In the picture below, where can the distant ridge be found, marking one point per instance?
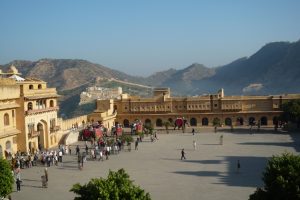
(273, 69)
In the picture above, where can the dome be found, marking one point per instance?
(13, 70)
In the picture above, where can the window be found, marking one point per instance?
(216, 105)
(39, 86)
(30, 128)
(51, 103)
(6, 119)
(30, 87)
(29, 106)
(52, 124)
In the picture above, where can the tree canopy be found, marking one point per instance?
(6, 178)
(117, 186)
(281, 179)
(291, 111)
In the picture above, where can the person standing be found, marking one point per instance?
(221, 140)
(136, 144)
(193, 131)
(77, 150)
(238, 166)
(18, 182)
(194, 144)
(183, 154)
(46, 173)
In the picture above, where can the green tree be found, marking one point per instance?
(117, 186)
(291, 112)
(281, 178)
(167, 124)
(6, 178)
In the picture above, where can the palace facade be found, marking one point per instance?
(29, 112)
(199, 110)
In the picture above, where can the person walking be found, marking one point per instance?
(194, 144)
(183, 154)
(238, 166)
(193, 131)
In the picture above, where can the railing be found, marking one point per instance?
(37, 92)
(34, 134)
(35, 111)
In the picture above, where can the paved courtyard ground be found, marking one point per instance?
(209, 172)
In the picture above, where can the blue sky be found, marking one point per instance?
(140, 37)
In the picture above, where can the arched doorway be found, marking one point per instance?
(148, 122)
(251, 121)
(159, 123)
(264, 121)
(126, 123)
(204, 121)
(240, 121)
(40, 129)
(228, 121)
(8, 146)
(193, 121)
(275, 120)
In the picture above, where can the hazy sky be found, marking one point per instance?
(144, 36)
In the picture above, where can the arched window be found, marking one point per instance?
(240, 121)
(204, 121)
(251, 121)
(264, 121)
(29, 106)
(126, 123)
(8, 146)
(39, 86)
(51, 103)
(228, 121)
(193, 122)
(6, 119)
(159, 123)
(30, 87)
(147, 122)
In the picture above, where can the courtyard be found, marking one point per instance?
(209, 172)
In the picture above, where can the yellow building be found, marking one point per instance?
(104, 113)
(200, 110)
(9, 96)
(36, 117)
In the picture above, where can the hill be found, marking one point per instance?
(274, 69)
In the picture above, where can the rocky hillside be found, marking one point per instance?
(274, 69)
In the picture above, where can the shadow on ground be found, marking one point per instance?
(249, 174)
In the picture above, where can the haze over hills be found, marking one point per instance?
(274, 69)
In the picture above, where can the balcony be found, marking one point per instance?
(54, 129)
(43, 110)
(40, 92)
(34, 134)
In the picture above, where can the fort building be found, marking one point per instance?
(32, 113)
(200, 110)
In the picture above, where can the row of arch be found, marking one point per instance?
(40, 104)
(31, 87)
(205, 121)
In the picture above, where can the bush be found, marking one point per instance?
(116, 186)
(281, 178)
(6, 178)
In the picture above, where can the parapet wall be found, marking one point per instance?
(70, 123)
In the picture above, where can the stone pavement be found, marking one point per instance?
(209, 172)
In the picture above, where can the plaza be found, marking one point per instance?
(209, 172)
